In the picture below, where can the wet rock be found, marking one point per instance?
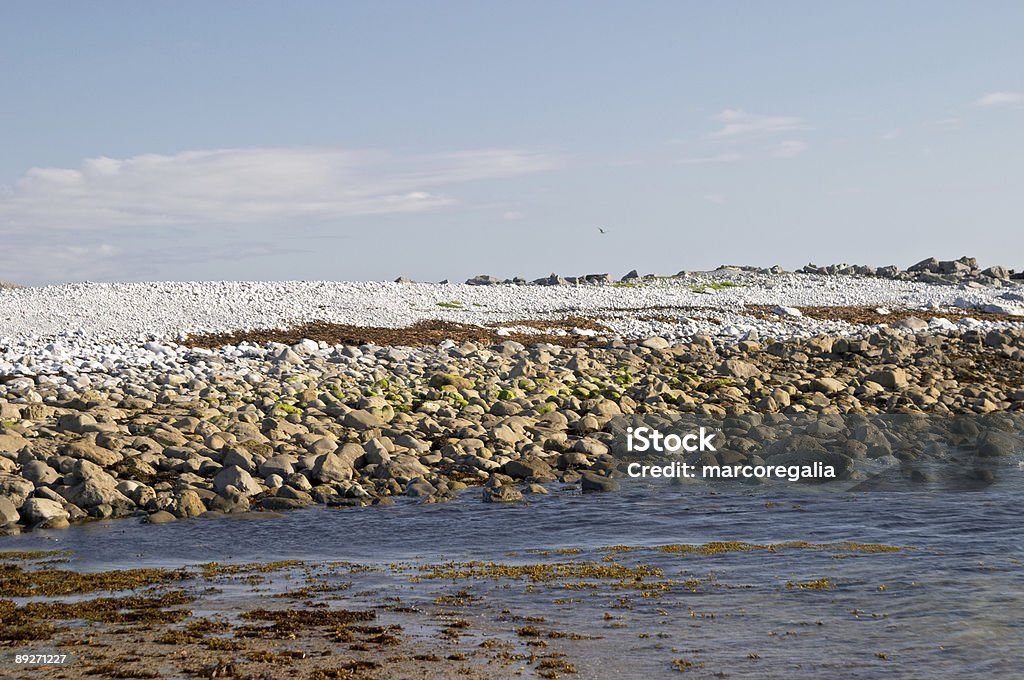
(502, 494)
(591, 481)
(994, 443)
(419, 488)
(281, 503)
(188, 504)
(293, 492)
(229, 503)
(160, 517)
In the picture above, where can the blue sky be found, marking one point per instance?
(344, 140)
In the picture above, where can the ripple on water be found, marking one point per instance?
(947, 604)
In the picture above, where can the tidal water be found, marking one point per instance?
(949, 604)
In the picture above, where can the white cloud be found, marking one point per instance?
(789, 148)
(993, 99)
(717, 199)
(512, 215)
(738, 123)
(704, 160)
(244, 186)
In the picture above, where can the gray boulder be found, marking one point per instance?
(483, 280)
(655, 342)
(927, 265)
(188, 504)
(77, 422)
(282, 503)
(403, 467)
(95, 488)
(161, 517)
(738, 369)
(525, 468)
(86, 448)
(236, 477)
(994, 444)
(240, 458)
(39, 473)
(891, 378)
(330, 467)
(282, 464)
(912, 323)
(361, 420)
(15, 487)
(997, 272)
(8, 512)
(42, 510)
(419, 488)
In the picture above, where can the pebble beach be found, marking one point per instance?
(191, 402)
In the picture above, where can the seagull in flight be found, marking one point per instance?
(602, 230)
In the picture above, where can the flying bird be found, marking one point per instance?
(601, 229)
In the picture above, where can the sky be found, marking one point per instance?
(333, 140)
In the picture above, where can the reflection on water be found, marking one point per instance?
(948, 605)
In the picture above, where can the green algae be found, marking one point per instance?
(817, 584)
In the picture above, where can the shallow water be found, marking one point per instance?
(951, 604)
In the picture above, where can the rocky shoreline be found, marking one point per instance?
(962, 271)
(347, 425)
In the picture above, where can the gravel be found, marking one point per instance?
(102, 327)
